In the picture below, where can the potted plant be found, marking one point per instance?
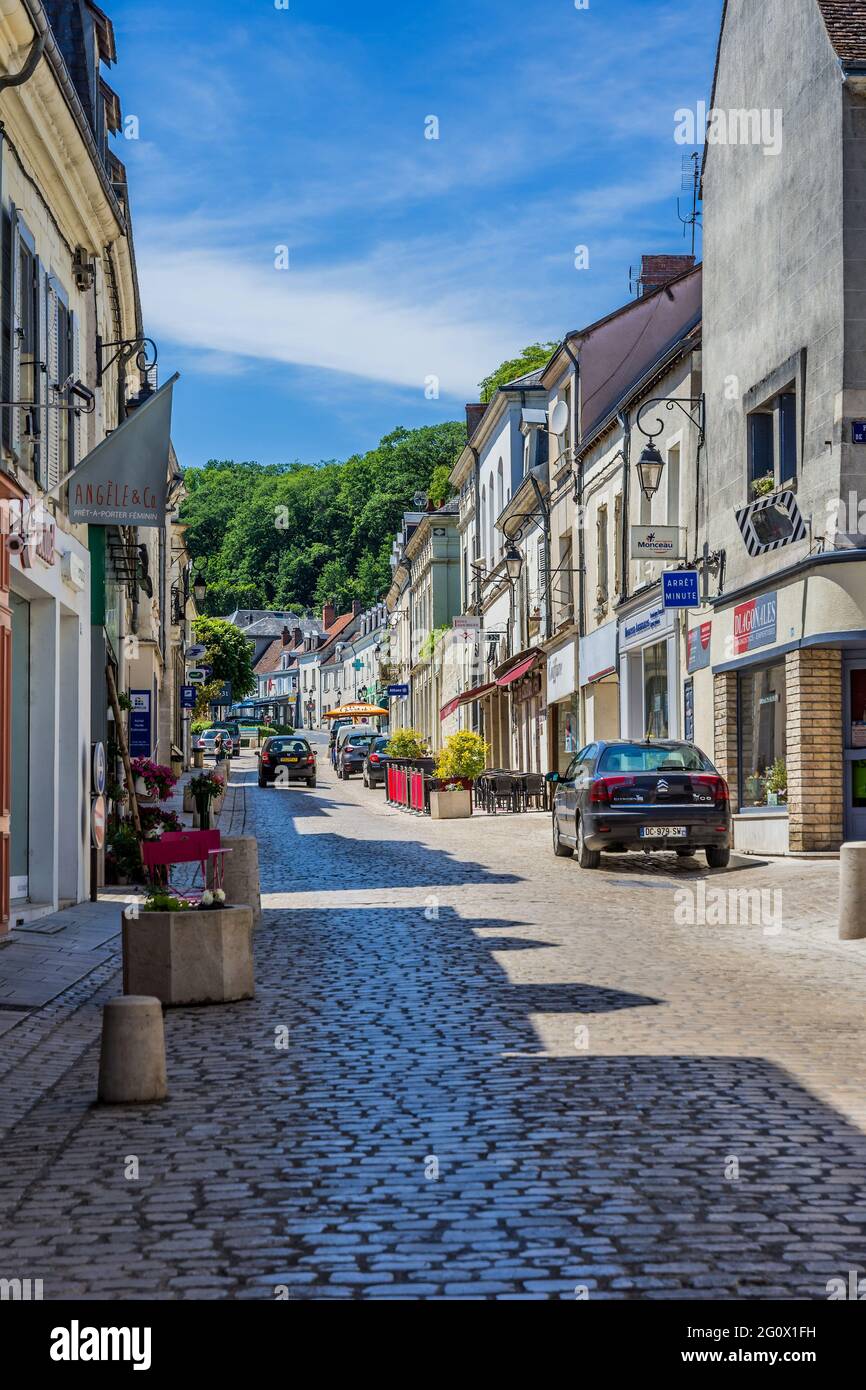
(205, 788)
(188, 953)
(777, 783)
(152, 781)
(406, 743)
(462, 759)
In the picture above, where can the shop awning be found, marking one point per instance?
(476, 693)
(517, 671)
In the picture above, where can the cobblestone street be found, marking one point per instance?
(505, 1077)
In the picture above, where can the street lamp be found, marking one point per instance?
(199, 588)
(513, 562)
(650, 467)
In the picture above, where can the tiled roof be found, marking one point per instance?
(846, 25)
(272, 658)
(335, 629)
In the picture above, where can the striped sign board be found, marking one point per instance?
(770, 523)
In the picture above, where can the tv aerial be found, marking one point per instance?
(691, 183)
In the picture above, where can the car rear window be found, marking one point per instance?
(639, 757)
(288, 745)
(381, 743)
(359, 740)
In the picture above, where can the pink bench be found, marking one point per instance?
(184, 847)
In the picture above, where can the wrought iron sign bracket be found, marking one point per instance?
(137, 345)
(693, 407)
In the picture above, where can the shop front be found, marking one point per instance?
(649, 664)
(789, 673)
(563, 707)
(522, 679)
(599, 684)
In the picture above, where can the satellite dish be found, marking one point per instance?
(559, 418)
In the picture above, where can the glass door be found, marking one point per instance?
(20, 809)
(854, 745)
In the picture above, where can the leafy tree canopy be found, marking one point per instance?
(230, 655)
(531, 358)
(295, 535)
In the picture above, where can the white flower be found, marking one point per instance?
(219, 896)
(207, 898)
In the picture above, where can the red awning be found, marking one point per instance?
(477, 692)
(466, 698)
(517, 671)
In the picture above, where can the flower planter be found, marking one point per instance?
(142, 795)
(450, 805)
(203, 956)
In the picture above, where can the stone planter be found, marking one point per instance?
(450, 805)
(196, 957)
(143, 796)
(188, 803)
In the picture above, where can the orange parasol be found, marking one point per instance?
(355, 710)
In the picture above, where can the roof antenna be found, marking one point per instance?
(691, 182)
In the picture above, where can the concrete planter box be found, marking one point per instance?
(451, 805)
(196, 957)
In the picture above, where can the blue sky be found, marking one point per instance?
(409, 258)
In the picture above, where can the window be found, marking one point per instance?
(762, 739)
(655, 686)
(25, 385)
(772, 443)
(617, 544)
(602, 553)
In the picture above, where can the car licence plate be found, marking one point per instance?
(663, 832)
(288, 760)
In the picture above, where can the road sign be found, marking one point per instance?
(97, 768)
(680, 589)
(196, 677)
(97, 822)
(188, 696)
(195, 653)
(858, 432)
(398, 692)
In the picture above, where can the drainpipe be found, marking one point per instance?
(17, 79)
(625, 423)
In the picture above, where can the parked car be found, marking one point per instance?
(215, 741)
(336, 726)
(284, 758)
(352, 752)
(658, 795)
(374, 768)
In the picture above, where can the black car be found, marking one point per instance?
(283, 759)
(657, 795)
(374, 768)
(353, 754)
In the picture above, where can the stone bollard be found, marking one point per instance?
(132, 1060)
(188, 803)
(241, 873)
(852, 891)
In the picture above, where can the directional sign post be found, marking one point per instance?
(398, 692)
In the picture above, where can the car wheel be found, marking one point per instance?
(586, 858)
(560, 850)
(686, 853)
(311, 781)
(718, 856)
(261, 783)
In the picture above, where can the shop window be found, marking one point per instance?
(655, 685)
(762, 738)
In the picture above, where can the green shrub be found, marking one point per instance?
(407, 743)
(463, 758)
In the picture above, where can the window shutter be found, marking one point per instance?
(17, 313)
(51, 428)
(77, 424)
(6, 324)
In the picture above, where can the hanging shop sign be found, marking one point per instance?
(657, 543)
(680, 589)
(699, 647)
(188, 696)
(598, 653)
(124, 480)
(561, 673)
(139, 724)
(755, 624)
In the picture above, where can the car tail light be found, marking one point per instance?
(716, 786)
(266, 757)
(600, 793)
(374, 758)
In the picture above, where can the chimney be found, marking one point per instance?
(357, 607)
(473, 418)
(287, 637)
(329, 615)
(656, 271)
(297, 637)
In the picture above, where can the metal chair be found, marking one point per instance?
(535, 791)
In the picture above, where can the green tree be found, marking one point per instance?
(230, 655)
(530, 359)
